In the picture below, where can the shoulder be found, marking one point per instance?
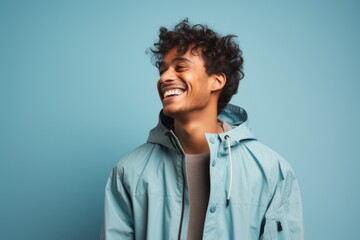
(129, 167)
(147, 158)
(262, 152)
(271, 161)
(144, 169)
(137, 157)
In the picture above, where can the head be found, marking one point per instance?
(221, 54)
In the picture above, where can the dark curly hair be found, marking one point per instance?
(221, 54)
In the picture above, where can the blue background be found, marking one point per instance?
(77, 92)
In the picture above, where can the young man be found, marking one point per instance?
(202, 174)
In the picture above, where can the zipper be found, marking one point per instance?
(182, 211)
(184, 182)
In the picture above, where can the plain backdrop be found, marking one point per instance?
(78, 91)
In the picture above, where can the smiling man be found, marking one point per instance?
(202, 173)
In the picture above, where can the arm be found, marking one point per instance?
(118, 215)
(283, 218)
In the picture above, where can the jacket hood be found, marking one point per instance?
(233, 115)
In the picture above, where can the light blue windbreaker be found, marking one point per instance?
(147, 195)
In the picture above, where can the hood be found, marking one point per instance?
(233, 115)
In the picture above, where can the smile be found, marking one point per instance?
(173, 92)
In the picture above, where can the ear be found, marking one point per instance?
(218, 82)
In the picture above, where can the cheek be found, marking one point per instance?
(158, 89)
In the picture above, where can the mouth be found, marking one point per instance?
(171, 91)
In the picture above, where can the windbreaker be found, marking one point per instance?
(253, 191)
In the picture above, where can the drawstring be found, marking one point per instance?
(227, 138)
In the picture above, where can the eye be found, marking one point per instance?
(180, 68)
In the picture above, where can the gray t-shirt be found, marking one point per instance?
(197, 167)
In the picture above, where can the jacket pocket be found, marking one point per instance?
(274, 230)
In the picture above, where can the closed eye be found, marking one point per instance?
(180, 63)
(180, 68)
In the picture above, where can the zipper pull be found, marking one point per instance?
(279, 227)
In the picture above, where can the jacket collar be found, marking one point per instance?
(233, 115)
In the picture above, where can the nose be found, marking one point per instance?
(167, 76)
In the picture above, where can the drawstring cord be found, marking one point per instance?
(227, 138)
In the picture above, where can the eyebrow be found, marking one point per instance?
(176, 59)
(180, 59)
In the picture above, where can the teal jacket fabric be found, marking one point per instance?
(147, 196)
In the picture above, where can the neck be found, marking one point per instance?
(191, 133)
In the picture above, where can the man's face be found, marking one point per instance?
(184, 85)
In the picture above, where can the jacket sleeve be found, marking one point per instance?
(283, 218)
(118, 214)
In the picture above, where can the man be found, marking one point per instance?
(202, 174)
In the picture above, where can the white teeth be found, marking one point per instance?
(173, 92)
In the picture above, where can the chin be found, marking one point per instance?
(171, 112)
(168, 112)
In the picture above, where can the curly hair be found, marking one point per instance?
(221, 54)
